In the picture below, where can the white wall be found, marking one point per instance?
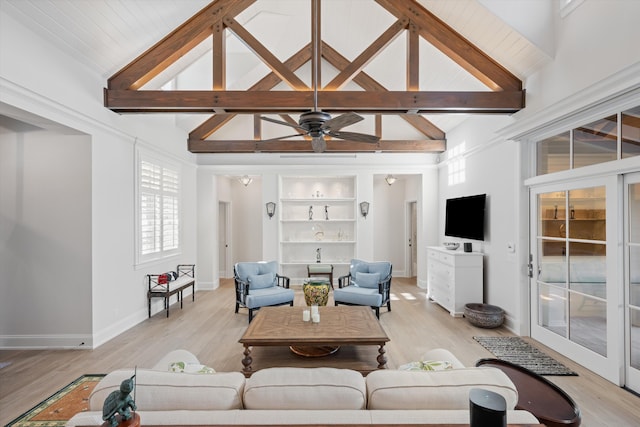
(596, 49)
(41, 84)
(45, 238)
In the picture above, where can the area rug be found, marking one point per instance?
(518, 351)
(56, 410)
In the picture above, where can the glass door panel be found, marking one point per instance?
(572, 309)
(632, 282)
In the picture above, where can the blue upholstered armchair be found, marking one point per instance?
(258, 284)
(368, 283)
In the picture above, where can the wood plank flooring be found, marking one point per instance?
(210, 329)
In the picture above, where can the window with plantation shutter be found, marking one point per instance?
(159, 209)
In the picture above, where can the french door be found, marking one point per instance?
(632, 280)
(576, 284)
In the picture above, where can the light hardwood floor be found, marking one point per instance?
(210, 329)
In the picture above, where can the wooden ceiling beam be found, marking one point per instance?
(369, 84)
(172, 47)
(367, 55)
(302, 146)
(268, 82)
(413, 57)
(452, 44)
(277, 102)
(276, 66)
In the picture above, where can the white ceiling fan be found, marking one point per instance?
(316, 123)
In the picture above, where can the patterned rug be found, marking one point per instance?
(518, 351)
(56, 410)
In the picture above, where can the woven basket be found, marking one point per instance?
(484, 315)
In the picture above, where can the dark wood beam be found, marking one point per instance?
(413, 58)
(219, 51)
(452, 44)
(369, 84)
(367, 55)
(276, 66)
(269, 81)
(251, 102)
(302, 146)
(171, 48)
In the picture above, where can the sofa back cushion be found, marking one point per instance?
(305, 388)
(166, 391)
(388, 389)
(382, 268)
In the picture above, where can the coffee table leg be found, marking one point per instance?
(382, 359)
(246, 361)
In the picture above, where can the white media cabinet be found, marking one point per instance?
(454, 278)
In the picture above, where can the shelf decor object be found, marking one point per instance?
(364, 209)
(271, 209)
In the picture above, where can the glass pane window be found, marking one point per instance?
(552, 309)
(553, 154)
(158, 209)
(588, 323)
(596, 142)
(631, 132)
(587, 214)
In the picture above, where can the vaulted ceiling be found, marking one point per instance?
(222, 68)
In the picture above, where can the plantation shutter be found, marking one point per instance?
(159, 208)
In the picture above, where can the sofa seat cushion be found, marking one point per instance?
(389, 389)
(165, 391)
(359, 296)
(269, 296)
(305, 388)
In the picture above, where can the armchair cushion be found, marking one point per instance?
(367, 280)
(274, 295)
(358, 296)
(261, 281)
(246, 269)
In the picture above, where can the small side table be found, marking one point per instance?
(321, 270)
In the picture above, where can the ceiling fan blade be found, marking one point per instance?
(354, 136)
(318, 144)
(282, 137)
(341, 121)
(280, 122)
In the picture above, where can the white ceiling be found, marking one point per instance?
(108, 34)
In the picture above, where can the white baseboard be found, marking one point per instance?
(49, 342)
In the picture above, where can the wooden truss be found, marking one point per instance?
(124, 92)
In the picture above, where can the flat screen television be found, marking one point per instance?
(464, 217)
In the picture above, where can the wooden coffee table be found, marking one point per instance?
(341, 325)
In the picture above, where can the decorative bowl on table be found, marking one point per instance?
(484, 315)
(452, 246)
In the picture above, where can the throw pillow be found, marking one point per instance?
(367, 280)
(261, 281)
(427, 365)
(163, 279)
(190, 368)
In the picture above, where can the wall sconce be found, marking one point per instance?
(390, 179)
(245, 180)
(364, 209)
(271, 209)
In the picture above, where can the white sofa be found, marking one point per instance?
(279, 396)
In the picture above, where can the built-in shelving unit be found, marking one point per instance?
(317, 218)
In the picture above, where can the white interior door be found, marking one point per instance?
(632, 280)
(576, 290)
(224, 266)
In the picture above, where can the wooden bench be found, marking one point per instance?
(159, 287)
